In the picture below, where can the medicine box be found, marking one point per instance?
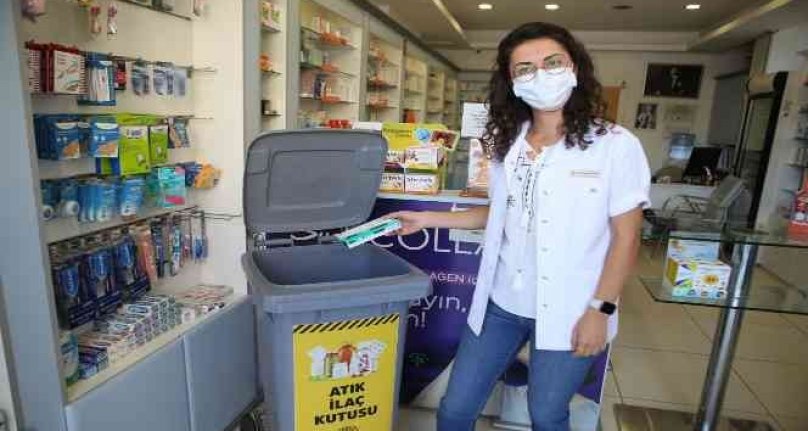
(693, 249)
(421, 183)
(392, 182)
(697, 277)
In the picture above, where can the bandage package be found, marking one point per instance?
(368, 232)
(694, 249)
(699, 278)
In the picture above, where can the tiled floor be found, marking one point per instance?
(660, 357)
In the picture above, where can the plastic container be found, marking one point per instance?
(331, 320)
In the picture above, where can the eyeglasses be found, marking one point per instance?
(553, 65)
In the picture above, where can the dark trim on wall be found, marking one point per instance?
(408, 35)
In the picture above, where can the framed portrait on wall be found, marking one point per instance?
(646, 116)
(673, 80)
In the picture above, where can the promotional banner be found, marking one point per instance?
(435, 323)
(345, 374)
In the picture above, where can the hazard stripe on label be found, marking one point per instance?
(340, 325)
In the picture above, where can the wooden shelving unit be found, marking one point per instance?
(451, 111)
(330, 66)
(434, 104)
(274, 83)
(415, 88)
(384, 72)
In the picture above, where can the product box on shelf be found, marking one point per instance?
(133, 153)
(478, 170)
(701, 278)
(158, 144)
(392, 182)
(416, 157)
(694, 249)
(421, 182)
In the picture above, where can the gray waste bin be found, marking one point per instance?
(331, 320)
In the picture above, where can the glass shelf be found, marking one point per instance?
(700, 230)
(769, 298)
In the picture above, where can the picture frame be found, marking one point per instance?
(673, 80)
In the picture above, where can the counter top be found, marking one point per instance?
(659, 194)
(452, 196)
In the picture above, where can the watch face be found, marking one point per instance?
(608, 308)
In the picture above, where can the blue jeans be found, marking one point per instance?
(554, 376)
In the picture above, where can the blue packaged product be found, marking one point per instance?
(84, 136)
(68, 198)
(159, 248)
(66, 140)
(132, 192)
(88, 200)
(100, 80)
(50, 199)
(108, 199)
(102, 281)
(75, 304)
(176, 249)
(70, 357)
(132, 278)
(87, 370)
(95, 357)
(104, 138)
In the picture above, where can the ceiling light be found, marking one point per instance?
(552, 6)
(693, 6)
(485, 6)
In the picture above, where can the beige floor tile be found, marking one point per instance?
(692, 408)
(800, 322)
(425, 420)
(780, 387)
(764, 336)
(608, 422)
(673, 378)
(610, 388)
(792, 424)
(707, 317)
(671, 330)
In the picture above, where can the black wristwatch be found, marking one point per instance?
(605, 307)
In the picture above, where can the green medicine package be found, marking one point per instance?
(133, 153)
(158, 144)
(368, 232)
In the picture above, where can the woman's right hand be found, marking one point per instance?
(411, 221)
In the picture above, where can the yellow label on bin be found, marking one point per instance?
(345, 374)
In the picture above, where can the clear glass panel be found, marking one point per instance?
(774, 298)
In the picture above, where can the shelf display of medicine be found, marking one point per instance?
(693, 269)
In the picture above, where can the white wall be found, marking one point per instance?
(6, 402)
(615, 68)
(788, 264)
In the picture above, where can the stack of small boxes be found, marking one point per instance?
(134, 325)
(694, 270)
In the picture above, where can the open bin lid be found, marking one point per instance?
(300, 180)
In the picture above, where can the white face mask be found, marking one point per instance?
(546, 91)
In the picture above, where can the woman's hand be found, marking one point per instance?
(589, 334)
(411, 221)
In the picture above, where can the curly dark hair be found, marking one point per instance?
(582, 112)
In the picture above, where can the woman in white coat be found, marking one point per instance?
(567, 190)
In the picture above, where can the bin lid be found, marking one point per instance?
(297, 180)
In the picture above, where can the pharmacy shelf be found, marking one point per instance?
(82, 387)
(58, 169)
(382, 60)
(148, 6)
(311, 66)
(62, 229)
(761, 297)
(271, 28)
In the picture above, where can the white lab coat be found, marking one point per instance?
(578, 192)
